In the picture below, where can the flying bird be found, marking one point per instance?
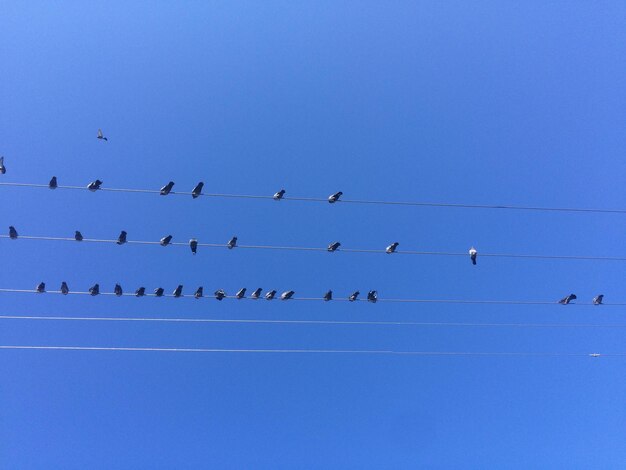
(334, 197)
(392, 248)
(287, 295)
(241, 293)
(140, 292)
(220, 294)
(597, 300)
(122, 238)
(199, 292)
(256, 294)
(279, 195)
(473, 253)
(94, 185)
(328, 296)
(101, 136)
(12, 233)
(334, 246)
(372, 296)
(53, 183)
(165, 190)
(41, 287)
(159, 291)
(232, 243)
(354, 296)
(94, 290)
(178, 292)
(197, 191)
(3, 169)
(64, 289)
(118, 290)
(270, 295)
(193, 244)
(166, 240)
(568, 299)
(78, 236)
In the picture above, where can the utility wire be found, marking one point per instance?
(314, 351)
(321, 249)
(344, 201)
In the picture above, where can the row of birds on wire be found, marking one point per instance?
(232, 243)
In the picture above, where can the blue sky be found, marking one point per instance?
(478, 102)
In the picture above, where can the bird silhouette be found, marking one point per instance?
(241, 293)
(165, 190)
(473, 253)
(392, 248)
(193, 244)
(270, 295)
(333, 246)
(12, 233)
(122, 238)
(94, 290)
(199, 292)
(118, 290)
(597, 300)
(354, 296)
(219, 294)
(3, 169)
(78, 236)
(279, 195)
(566, 300)
(166, 240)
(372, 296)
(140, 292)
(256, 294)
(64, 289)
(232, 243)
(197, 191)
(328, 296)
(178, 292)
(94, 185)
(334, 197)
(41, 287)
(287, 295)
(159, 291)
(101, 136)
(53, 183)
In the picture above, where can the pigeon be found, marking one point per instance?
(334, 197)
(166, 240)
(241, 293)
(232, 243)
(328, 296)
(53, 183)
(64, 289)
(193, 244)
(197, 191)
(41, 287)
(159, 291)
(568, 299)
(372, 296)
(597, 300)
(118, 290)
(95, 290)
(392, 248)
(178, 292)
(256, 294)
(473, 253)
(122, 238)
(3, 169)
(12, 233)
(270, 295)
(140, 292)
(198, 293)
(334, 246)
(94, 185)
(165, 190)
(287, 295)
(78, 236)
(279, 195)
(220, 294)
(101, 136)
(354, 296)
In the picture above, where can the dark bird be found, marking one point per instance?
(122, 238)
(140, 292)
(94, 290)
(64, 289)
(199, 292)
(328, 296)
(241, 293)
(101, 136)
(193, 244)
(279, 195)
(178, 292)
(41, 287)
(78, 236)
(197, 191)
(568, 299)
(94, 185)
(232, 243)
(334, 197)
(597, 300)
(256, 294)
(159, 291)
(287, 295)
(334, 246)
(53, 183)
(118, 290)
(166, 240)
(473, 253)
(3, 169)
(270, 295)
(165, 190)
(12, 233)
(392, 248)
(372, 296)
(220, 294)
(354, 296)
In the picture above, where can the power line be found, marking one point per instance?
(318, 299)
(322, 249)
(343, 201)
(312, 351)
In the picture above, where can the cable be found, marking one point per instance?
(313, 351)
(344, 201)
(232, 297)
(346, 250)
(309, 322)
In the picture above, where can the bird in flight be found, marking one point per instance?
(166, 240)
(165, 190)
(241, 293)
(197, 191)
(101, 135)
(328, 296)
(287, 295)
(122, 238)
(354, 296)
(333, 246)
(392, 248)
(256, 294)
(597, 300)
(94, 290)
(118, 290)
(232, 243)
(566, 300)
(12, 233)
(279, 195)
(199, 292)
(140, 292)
(334, 197)
(193, 244)
(220, 294)
(64, 289)
(53, 183)
(372, 296)
(41, 287)
(473, 253)
(3, 169)
(94, 185)
(178, 292)
(78, 236)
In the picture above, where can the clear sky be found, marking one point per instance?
(487, 102)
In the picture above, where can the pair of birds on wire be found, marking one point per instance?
(597, 300)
